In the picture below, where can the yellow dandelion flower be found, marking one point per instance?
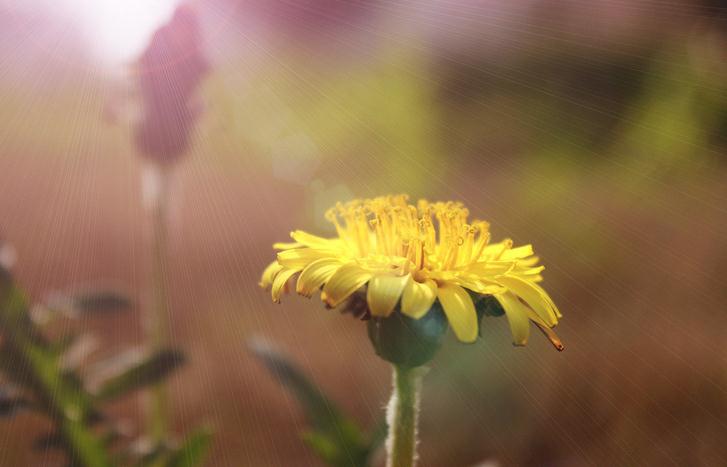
(411, 256)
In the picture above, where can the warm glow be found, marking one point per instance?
(119, 30)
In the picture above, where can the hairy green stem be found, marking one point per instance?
(157, 321)
(402, 415)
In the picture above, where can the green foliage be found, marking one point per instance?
(146, 372)
(10, 404)
(30, 362)
(33, 365)
(334, 437)
(100, 301)
(193, 450)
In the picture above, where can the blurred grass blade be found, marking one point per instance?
(334, 437)
(48, 442)
(147, 372)
(92, 301)
(321, 412)
(10, 404)
(378, 436)
(102, 301)
(323, 446)
(193, 450)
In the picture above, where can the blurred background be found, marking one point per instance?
(595, 130)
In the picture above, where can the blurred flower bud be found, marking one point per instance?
(169, 73)
(8, 256)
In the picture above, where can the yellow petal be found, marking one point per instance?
(460, 311)
(517, 316)
(269, 274)
(383, 293)
(529, 262)
(481, 286)
(281, 279)
(314, 241)
(315, 275)
(552, 337)
(286, 246)
(517, 253)
(490, 268)
(418, 298)
(345, 281)
(530, 271)
(299, 258)
(494, 250)
(534, 296)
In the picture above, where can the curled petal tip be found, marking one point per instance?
(552, 337)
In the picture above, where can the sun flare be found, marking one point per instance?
(118, 30)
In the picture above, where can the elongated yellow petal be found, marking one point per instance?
(517, 316)
(383, 293)
(460, 311)
(286, 246)
(481, 286)
(528, 262)
(490, 269)
(517, 253)
(315, 275)
(418, 298)
(299, 258)
(530, 271)
(496, 249)
(547, 331)
(314, 241)
(345, 281)
(281, 279)
(534, 296)
(269, 274)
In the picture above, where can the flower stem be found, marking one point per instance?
(157, 183)
(402, 416)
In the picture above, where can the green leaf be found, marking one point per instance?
(47, 442)
(146, 372)
(323, 446)
(10, 403)
(193, 450)
(335, 438)
(92, 301)
(378, 436)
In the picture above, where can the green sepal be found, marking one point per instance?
(405, 341)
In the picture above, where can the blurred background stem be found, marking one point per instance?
(157, 184)
(402, 416)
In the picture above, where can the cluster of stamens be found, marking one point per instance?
(421, 237)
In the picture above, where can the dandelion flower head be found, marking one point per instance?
(412, 255)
